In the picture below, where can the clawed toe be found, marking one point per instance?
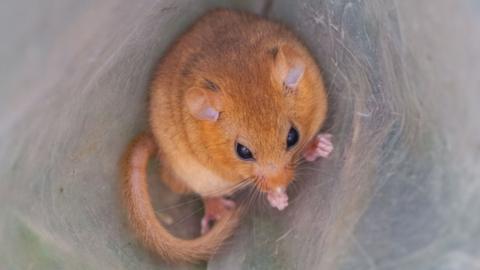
(321, 146)
(278, 199)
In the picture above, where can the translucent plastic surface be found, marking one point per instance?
(401, 191)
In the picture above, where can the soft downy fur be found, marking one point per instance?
(233, 77)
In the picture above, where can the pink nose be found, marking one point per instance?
(275, 178)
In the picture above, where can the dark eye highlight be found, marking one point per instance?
(243, 152)
(292, 137)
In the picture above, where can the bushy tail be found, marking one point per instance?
(142, 216)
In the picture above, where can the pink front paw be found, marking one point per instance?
(278, 198)
(320, 146)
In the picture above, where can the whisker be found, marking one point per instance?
(183, 219)
(255, 192)
(178, 205)
(245, 182)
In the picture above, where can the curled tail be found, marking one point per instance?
(144, 222)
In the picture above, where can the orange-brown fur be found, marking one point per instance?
(245, 57)
(142, 215)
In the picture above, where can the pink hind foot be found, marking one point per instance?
(320, 146)
(215, 208)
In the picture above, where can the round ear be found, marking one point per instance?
(203, 104)
(288, 68)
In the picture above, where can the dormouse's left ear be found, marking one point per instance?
(288, 68)
(203, 104)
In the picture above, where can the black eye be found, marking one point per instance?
(292, 137)
(243, 152)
